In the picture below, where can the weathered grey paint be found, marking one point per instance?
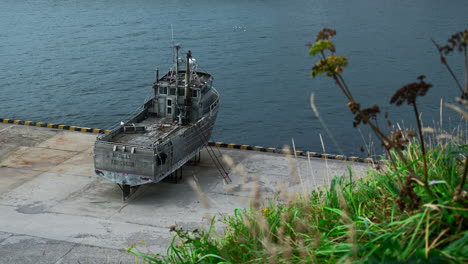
(163, 143)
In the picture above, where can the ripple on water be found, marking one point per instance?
(92, 64)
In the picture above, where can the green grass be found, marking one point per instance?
(413, 211)
(353, 221)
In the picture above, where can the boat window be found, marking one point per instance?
(169, 106)
(213, 106)
(173, 91)
(181, 92)
(193, 93)
(163, 90)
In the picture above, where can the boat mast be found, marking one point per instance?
(155, 84)
(187, 101)
(177, 47)
(157, 75)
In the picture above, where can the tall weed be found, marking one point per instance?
(413, 209)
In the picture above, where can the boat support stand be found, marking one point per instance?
(195, 160)
(174, 177)
(127, 191)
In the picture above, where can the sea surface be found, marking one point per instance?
(91, 62)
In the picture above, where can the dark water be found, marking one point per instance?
(91, 63)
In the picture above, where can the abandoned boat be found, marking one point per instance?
(171, 128)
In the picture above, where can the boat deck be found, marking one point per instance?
(156, 128)
(198, 79)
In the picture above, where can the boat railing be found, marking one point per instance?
(106, 140)
(119, 144)
(215, 91)
(214, 105)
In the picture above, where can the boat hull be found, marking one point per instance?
(117, 163)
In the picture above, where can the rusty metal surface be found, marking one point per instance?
(129, 165)
(172, 125)
(156, 128)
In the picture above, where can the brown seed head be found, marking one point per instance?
(409, 92)
(397, 134)
(398, 140)
(457, 41)
(410, 133)
(353, 107)
(326, 33)
(370, 113)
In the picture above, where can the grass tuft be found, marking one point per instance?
(353, 221)
(411, 210)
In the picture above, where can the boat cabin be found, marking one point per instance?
(170, 99)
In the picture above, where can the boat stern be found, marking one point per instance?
(125, 165)
(124, 178)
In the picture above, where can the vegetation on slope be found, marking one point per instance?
(413, 209)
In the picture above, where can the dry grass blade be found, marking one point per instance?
(458, 110)
(200, 193)
(256, 196)
(298, 168)
(324, 125)
(292, 165)
(236, 168)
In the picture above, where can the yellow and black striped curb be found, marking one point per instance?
(49, 125)
(291, 152)
(211, 143)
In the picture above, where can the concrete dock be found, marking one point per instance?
(53, 209)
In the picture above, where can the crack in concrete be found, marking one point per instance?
(74, 246)
(64, 150)
(94, 217)
(3, 239)
(8, 127)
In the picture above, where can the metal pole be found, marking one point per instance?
(177, 47)
(187, 76)
(157, 75)
(187, 101)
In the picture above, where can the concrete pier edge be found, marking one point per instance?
(56, 126)
(211, 143)
(55, 209)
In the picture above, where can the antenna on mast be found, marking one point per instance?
(175, 73)
(175, 48)
(172, 33)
